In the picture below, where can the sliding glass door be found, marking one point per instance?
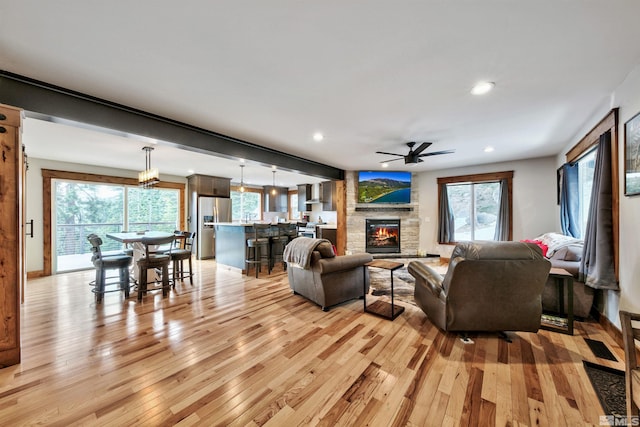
(81, 208)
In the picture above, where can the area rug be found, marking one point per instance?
(608, 383)
(403, 282)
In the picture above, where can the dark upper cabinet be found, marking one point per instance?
(328, 195)
(304, 194)
(327, 233)
(275, 201)
(204, 185)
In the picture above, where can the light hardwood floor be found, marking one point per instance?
(235, 350)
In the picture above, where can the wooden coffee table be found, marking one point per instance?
(383, 308)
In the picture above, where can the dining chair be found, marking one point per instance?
(632, 370)
(182, 253)
(102, 263)
(154, 258)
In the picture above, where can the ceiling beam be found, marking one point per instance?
(47, 101)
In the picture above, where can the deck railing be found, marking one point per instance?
(71, 239)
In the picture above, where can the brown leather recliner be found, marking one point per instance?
(332, 280)
(489, 286)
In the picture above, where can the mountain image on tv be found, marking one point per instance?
(384, 187)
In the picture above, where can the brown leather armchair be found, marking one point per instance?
(489, 286)
(330, 280)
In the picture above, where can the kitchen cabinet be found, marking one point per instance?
(12, 244)
(275, 199)
(205, 185)
(328, 195)
(323, 232)
(304, 194)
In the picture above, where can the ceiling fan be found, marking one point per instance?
(414, 156)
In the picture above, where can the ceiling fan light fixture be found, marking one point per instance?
(482, 87)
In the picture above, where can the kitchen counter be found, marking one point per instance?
(246, 224)
(231, 238)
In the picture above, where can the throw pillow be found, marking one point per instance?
(325, 249)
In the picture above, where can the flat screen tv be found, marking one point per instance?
(384, 187)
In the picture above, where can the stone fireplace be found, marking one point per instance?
(382, 235)
(407, 216)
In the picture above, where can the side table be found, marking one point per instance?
(562, 278)
(383, 308)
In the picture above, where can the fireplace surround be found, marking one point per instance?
(382, 235)
(357, 214)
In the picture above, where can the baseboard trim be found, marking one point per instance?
(35, 274)
(609, 327)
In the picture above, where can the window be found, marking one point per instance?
(82, 208)
(294, 213)
(475, 210)
(474, 207)
(586, 165)
(246, 206)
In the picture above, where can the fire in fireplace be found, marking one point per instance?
(382, 235)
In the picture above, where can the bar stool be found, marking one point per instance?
(104, 263)
(278, 244)
(258, 248)
(152, 259)
(183, 253)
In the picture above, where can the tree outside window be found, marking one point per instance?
(474, 204)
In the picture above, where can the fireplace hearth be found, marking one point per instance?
(382, 235)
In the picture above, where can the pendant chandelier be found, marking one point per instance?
(242, 178)
(273, 190)
(149, 176)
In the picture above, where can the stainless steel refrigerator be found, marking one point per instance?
(210, 211)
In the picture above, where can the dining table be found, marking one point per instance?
(134, 239)
(131, 237)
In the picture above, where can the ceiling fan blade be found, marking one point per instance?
(421, 148)
(392, 160)
(435, 153)
(389, 154)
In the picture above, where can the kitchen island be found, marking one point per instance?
(231, 239)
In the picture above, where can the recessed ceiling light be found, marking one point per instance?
(385, 165)
(191, 171)
(482, 87)
(489, 149)
(317, 137)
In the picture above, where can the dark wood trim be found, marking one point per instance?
(45, 101)
(341, 217)
(35, 274)
(610, 121)
(614, 332)
(49, 174)
(479, 177)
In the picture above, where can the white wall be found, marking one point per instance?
(34, 247)
(627, 98)
(534, 199)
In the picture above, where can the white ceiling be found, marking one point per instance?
(370, 75)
